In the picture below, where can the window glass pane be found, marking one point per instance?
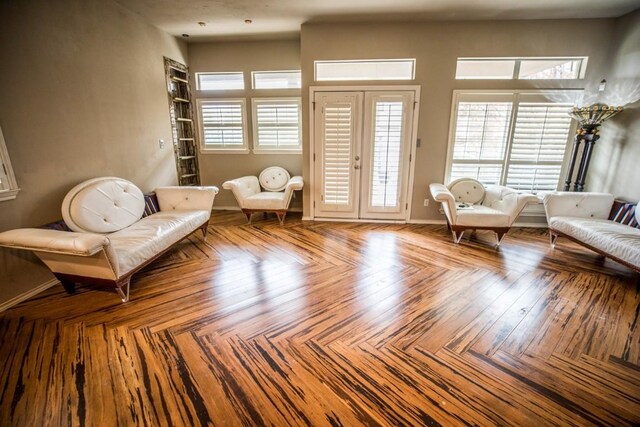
(4, 179)
(222, 124)
(391, 69)
(481, 130)
(277, 79)
(220, 81)
(485, 173)
(385, 177)
(485, 69)
(561, 68)
(277, 123)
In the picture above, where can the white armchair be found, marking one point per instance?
(468, 205)
(248, 192)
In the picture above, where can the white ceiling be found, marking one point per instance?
(282, 18)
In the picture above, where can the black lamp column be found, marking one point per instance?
(590, 137)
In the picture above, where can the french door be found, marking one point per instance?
(362, 154)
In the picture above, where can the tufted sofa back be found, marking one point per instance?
(580, 205)
(467, 190)
(102, 205)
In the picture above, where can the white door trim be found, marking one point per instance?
(414, 136)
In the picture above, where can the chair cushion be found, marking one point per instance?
(265, 201)
(102, 205)
(274, 178)
(467, 190)
(618, 240)
(482, 216)
(151, 235)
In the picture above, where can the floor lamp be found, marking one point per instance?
(589, 120)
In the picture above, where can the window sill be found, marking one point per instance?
(275, 151)
(8, 194)
(224, 151)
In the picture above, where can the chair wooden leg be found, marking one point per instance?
(122, 288)
(500, 235)
(457, 237)
(205, 229)
(248, 215)
(553, 237)
(281, 215)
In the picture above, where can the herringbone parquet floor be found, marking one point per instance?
(335, 324)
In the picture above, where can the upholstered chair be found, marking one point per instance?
(278, 190)
(469, 205)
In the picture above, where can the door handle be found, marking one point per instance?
(356, 167)
(357, 158)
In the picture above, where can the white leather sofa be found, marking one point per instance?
(583, 218)
(248, 192)
(469, 205)
(110, 241)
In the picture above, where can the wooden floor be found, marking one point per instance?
(335, 324)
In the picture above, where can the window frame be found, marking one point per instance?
(244, 149)
(200, 89)
(356, 61)
(584, 60)
(254, 73)
(254, 121)
(571, 95)
(5, 161)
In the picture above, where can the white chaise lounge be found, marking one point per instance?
(110, 241)
(583, 218)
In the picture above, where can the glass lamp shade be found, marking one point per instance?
(593, 115)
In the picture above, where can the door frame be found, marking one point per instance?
(414, 136)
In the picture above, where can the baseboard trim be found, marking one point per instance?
(25, 296)
(428, 221)
(237, 208)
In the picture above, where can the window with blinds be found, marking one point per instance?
(336, 156)
(8, 185)
(223, 124)
(276, 125)
(517, 139)
(387, 147)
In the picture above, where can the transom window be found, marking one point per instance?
(517, 139)
(223, 125)
(521, 68)
(276, 125)
(276, 79)
(365, 69)
(220, 81)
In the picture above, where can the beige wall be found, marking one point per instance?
(616, 156)
(247, 57)
(83, 95)
(436, 45)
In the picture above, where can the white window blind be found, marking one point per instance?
(336, 154)
(539, 140)
(519, 143)
(222, 124)
(276, 124)
(385, 179)
(481, 136)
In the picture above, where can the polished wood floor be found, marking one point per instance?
(335, 324)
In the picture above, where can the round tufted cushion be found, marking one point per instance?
(102, 205)
(274, 178)
(467, 190)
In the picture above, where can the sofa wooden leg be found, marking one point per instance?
(204, 228)
(281, 215)
(248, 215)
(553, 238)
(69, 286)
(122, 288)
(500, 235)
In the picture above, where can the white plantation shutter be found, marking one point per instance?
(480, 142)
(385, 174)
(222, 124)
(338, 136)
(276, 124)
(513, 139)
(540, 137)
